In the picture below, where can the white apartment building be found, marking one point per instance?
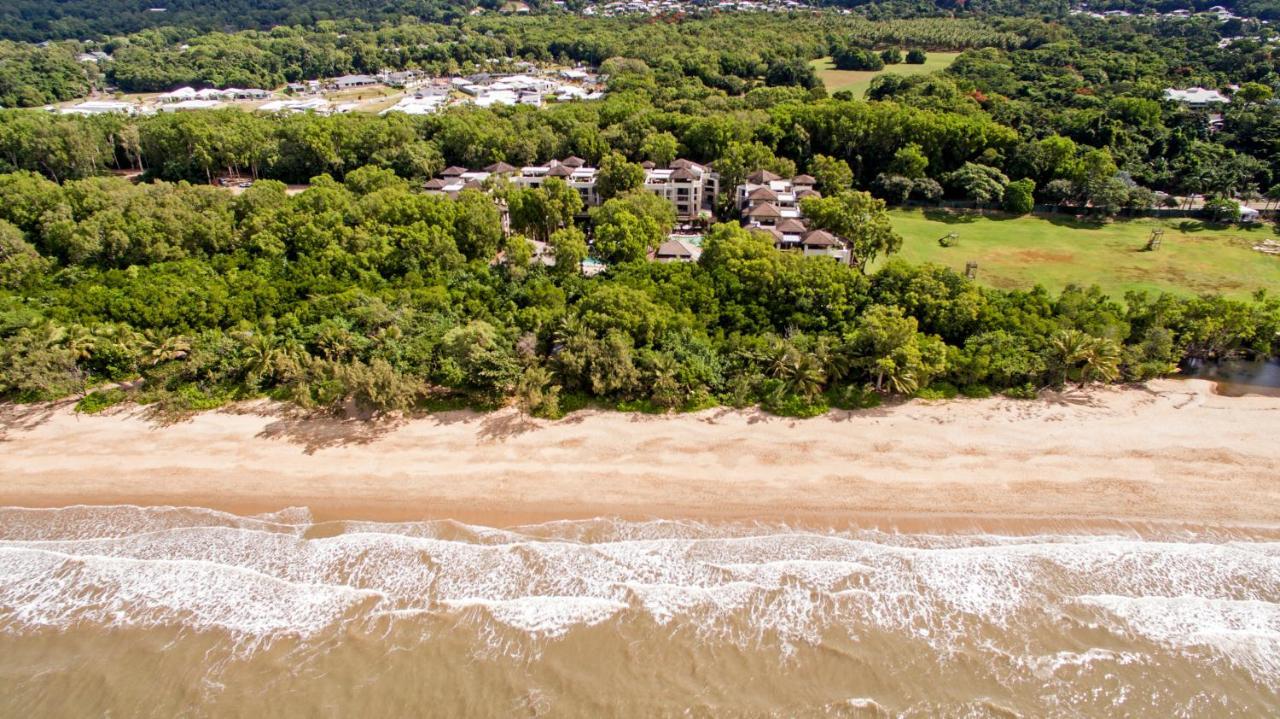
(689, 187)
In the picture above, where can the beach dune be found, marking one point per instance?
(1168, 451)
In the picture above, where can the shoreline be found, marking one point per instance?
(1167, 454)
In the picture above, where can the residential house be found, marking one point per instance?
(348, 82)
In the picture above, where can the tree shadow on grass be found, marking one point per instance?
(952, 217)
(1075, 222)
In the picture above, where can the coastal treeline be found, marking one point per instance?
(1070, 113)
(369, 291)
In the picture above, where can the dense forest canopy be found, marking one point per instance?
(1077, 108)
(38, 20)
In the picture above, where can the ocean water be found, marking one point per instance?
(142, 612)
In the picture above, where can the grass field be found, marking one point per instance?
(1057, 251)
(858, 81)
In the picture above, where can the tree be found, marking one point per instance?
(660, 148)
(927, 188)
(915, 56)
(831, 173)
(569, 248)
(379, 386)
(536, 393)
(617, 176)
(541, 211)
(1222, 209)
(892, 353)
(1019, 197)
(477, 356)
(858, 218)
(909, 161)
(19, 261)
(627, 228)
(625, 238)
(743, 158)
(852, 58)
(1059, 192)
(477, 225)
(1111, 195)
(1273, 195)
(895, 188)
(795, 71)
(1080, 357)
(1254, 93)
(981, 183)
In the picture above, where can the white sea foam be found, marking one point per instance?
(1246, 632)
(40, 588)
(263, 576)
(544, 616)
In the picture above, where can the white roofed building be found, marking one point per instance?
(1196, 97)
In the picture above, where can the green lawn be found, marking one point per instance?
(859, 80)
(1058, 251)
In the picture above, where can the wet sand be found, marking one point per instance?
(1172, 451)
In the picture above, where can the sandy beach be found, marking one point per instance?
(1170, 451)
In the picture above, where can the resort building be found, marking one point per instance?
(678, 249)
(689, 187)
(771, 204)
(1196, 97)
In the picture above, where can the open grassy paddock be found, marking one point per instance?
(1055, 251)
(858, 81)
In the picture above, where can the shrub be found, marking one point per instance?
(976, 391)
(915, 56)
(891, 56)
(1026, 391)
(938, 390)
(95, 402)
(1019, 198)
(793, 405)
(856, 59)
(1222, 209)
(853, 397)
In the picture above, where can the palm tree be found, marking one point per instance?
(833, 358)
(1083, 357)
(164, 348)
(894, 377)
(77, 339)
(1101, 363)
(665, 385)
(801, 372)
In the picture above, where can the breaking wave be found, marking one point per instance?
(1046, 607)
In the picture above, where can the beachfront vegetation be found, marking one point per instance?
(364, 289)
(368, 291)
